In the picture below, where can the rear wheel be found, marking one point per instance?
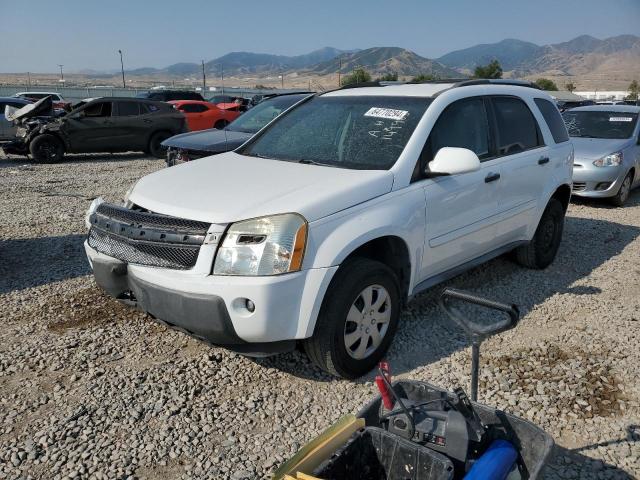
(542, 250)
(623, 192)
(155, 147)
(358, 319)
(46, 149)
(220, 124)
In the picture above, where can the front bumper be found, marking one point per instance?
(211, 308)
(597, 182)
(15, 147)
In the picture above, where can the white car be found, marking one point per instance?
(330, 219)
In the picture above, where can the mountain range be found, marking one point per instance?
(582, 55)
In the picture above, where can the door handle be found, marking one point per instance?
(146, 120)
(543, 160)
(492, 177)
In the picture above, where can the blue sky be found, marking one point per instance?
(37, 35)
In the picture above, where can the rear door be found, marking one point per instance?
(525, 164)
(130, 128)
(460, 208)
(198, 116)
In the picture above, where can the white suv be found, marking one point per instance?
(323, 225)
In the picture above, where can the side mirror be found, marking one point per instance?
(452, 161)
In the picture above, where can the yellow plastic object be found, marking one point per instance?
(304, 476)
(319, 449)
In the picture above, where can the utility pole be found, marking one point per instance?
(222, 76)
(124, 85)
(282, 80)
(204, 79)
(61, 75)
(339, 69)
(29, 80)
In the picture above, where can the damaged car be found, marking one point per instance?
(110, 124)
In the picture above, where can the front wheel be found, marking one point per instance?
(357, 320)
(623, 192)
(542, 250)
(46, 148)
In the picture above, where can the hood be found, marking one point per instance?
(42, 106)
(234, 187)
(212, 140)
(594, 148)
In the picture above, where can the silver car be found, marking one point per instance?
(606, 140)
(7, 128)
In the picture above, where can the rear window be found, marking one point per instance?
(554, 120)
(193, 108)
(358, 132)
(517, 128)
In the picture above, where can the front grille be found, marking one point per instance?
(151, 220)
(146, 238)
(579, 186)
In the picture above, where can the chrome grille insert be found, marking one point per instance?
(146, 238)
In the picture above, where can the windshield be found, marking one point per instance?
(257, 117)
(600, 124)
(360, 132)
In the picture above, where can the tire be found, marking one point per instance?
(542, 250)
(328, 347)
(46, 148)
(623, 192)
(220, 124)
(155, 149)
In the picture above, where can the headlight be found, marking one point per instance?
(612, 160)
(263, 246)
(92, 208)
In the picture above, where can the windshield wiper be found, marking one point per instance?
(585, 136)
(313, 162)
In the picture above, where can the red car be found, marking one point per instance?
(201, 115)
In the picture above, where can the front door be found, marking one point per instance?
(91, 129)
(460, 208)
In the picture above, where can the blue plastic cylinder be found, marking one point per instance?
(495, 463)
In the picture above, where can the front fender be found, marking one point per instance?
(399, 214)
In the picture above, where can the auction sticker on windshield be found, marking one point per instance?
(389, 113)
(620, 119)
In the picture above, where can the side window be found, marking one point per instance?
(554, 121)
(193, 108)
(128, 109)
(462, 124)
(100, 109)
(516, 127)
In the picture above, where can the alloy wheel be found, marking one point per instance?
(367, 321)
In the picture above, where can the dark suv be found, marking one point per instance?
(108, 124)
(169, 95)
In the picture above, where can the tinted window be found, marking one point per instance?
(101, 109)
(193, 108)
(128, 109)
(360, 132)
(554, 121)
(600, 124)
(463, 124)
(516, 127)
(150, 107)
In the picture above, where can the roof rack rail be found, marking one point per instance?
(497, 81)
(361, 85)
(439, 80)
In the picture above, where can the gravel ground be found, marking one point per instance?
(91, 389)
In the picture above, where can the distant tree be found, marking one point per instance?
(570, 87)
(424, 77)
(388, 77)
(359, 75)
(634, 90)
(492, 70)
(546, 84)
